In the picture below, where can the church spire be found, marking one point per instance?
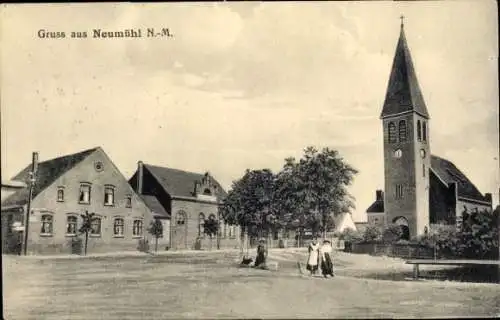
(403, 91)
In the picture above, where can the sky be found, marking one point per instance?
(245, 85)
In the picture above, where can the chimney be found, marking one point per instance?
(488, 197)
(140, 177)
(379, 195)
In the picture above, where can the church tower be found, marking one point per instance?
(407, 155)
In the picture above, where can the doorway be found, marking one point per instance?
(179, 231)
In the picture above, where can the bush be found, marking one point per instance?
(281, 244)
(441, 238)
(372, 234)
(351, 236)
(392, 233)
(478, 236)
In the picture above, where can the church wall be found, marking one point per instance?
(422, 154)
(441, 202)
(400, 171)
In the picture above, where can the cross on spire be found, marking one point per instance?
(402, 17)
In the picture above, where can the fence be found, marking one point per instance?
(406, 251)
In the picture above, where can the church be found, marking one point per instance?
(420, 188)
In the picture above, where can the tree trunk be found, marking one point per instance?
(210, 248)
(242, 239)
(156, 244)
(86, 242)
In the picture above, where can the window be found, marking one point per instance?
(109, 195)
(423, 170)
(181, 218)
(128, 201)
(118, 227)
(71, 224)
(392, 132)
(137, 228)
(398, 154)
(84, 193)
(399, 191)
(424, 131)
(419, 131)
(60, 194)
(201, 224)
(47, 224)
(95, 224)
(402, 131)
(207, 192)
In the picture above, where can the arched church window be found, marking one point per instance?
(424, 131)
(201, 224)
(392, 132)
(402, 131)
(419, 131)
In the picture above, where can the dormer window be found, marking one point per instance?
(207, 192)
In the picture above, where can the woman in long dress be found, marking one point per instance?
(260, 261)
(326, 258)
(313, 259)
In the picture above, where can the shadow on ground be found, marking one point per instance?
(481, 274)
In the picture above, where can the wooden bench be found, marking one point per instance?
(464, 262)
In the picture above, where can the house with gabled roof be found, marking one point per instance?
(183, 201)
(420, 188)
(66, 187)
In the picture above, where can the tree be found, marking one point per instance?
(86, 227)
(156, 230)
(249, 202)
(211, 228)
(372, 233)
(314, 189)
(478, 235)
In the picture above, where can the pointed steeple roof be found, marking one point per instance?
(403, 91)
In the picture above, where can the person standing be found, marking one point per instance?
(260, 261)
(326, 258)
(313, 259)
